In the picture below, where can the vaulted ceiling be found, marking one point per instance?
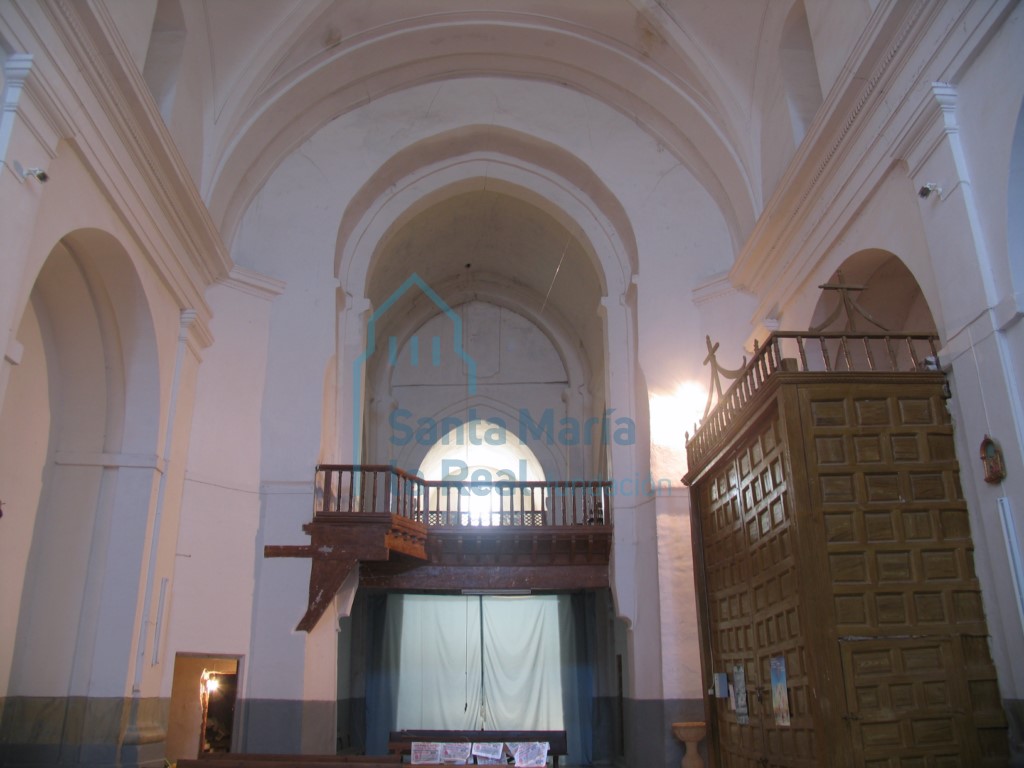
(689, 73)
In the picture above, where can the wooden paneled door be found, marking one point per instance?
(753, 598)
(831, 531)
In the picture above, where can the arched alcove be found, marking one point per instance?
(498, 271)
(886, 294)
(872, 292)
(80, 424)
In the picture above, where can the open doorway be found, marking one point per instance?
(202, 713)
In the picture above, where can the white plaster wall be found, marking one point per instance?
(888, 219)
(835, 29)
(216, 549)
(517, 368)
(134, 21)
(24, 441)
(82, 623)
(678, 598)
(277, 653)
(191, 93)
(987, 110)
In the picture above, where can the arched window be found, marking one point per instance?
(483, 452)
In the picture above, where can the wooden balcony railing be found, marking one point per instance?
(795, 352)
(353, 489)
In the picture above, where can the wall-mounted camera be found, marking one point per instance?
(927, 190)
(37, 173)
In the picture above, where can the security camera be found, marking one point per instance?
(41, 176)
(927, 189)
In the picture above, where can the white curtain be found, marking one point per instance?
(442, 683)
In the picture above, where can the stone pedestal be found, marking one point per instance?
(690, 734)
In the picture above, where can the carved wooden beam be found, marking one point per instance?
(325, 579)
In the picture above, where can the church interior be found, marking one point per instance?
(643, 373)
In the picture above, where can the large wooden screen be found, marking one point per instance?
(831, 531)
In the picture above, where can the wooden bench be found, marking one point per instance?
(400, 742)
(259, 760)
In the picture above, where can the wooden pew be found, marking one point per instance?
(222, 757)
(239, 760)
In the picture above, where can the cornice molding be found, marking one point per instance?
(933, 120)
(840, 122)
(716, 287)
(253, 283)
(29, 98)
(195, 334)
(154, 191)
(890, 87)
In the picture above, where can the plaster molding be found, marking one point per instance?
(670, 111)
(153, 189)
(1008, 311)
(194, 332)
(841, 121)
(790, 241)
(933, 121)
(28, 97)
(716, 287)
(253, 283)
(108, 460)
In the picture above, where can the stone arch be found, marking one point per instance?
(671, 110)
(391, 199)
(88, 398)
(885, 297)
(467, 159)
(891, 294)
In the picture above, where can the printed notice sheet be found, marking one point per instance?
(739, 682)
(491, 750)
(529, 754)
(425, 752)
(455, 754)
(780, 690)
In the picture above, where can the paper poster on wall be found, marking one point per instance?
(425, 752)
(739, 684)
(780, 692)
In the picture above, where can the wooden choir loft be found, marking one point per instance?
(405, 533)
